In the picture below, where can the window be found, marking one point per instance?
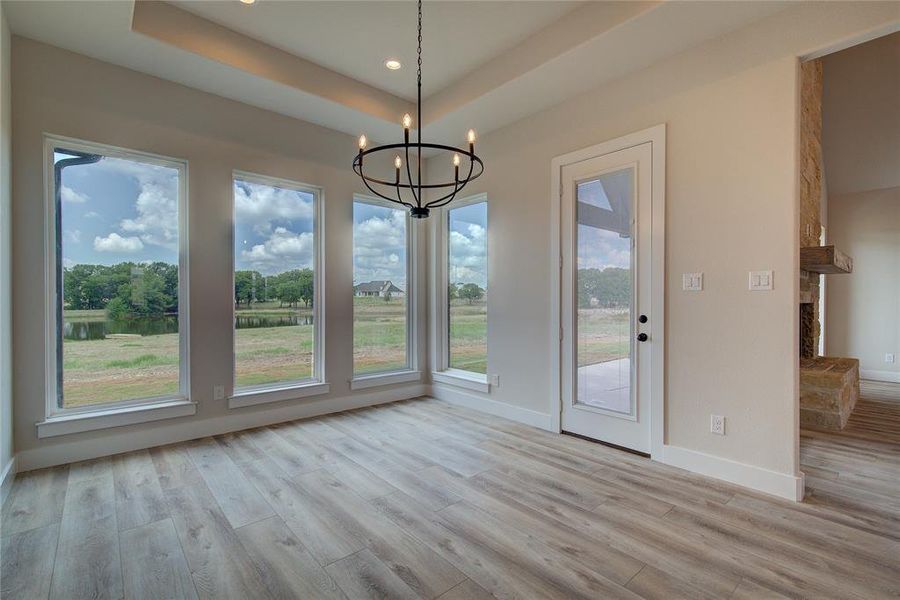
(382, 332)
(117, 277)
(277, 283)
(467, 286)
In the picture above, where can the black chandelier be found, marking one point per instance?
(395, 191)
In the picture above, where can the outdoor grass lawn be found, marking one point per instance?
(125, 367)
(603, 334)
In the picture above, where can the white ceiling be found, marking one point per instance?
(487, 64)
(355, 38)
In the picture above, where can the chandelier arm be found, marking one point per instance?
(456, 189)
(379, 194)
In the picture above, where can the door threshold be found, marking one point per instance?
(602, 443)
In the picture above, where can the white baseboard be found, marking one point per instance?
(786, 486)
(6, 479)
(888, 376)
(484, 404)
(50, 454)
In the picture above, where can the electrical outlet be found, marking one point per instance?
(889, 358)
(218, 392)
(692, 282)
(495, 380)
(717, 424)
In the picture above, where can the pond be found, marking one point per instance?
(99, 329)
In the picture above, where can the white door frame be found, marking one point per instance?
(656, 136)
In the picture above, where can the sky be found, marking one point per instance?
(598, 248)
(379, 244)
(119, 210)
(468, 245)
(273, 228)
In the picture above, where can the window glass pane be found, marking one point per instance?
(274, 283)
(604, 283)
(117, 252)
(379, 289)
(467, 287)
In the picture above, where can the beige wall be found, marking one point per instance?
(731, 111)
(863, 308)
(861, 121)
(6, 414)
(861, 134)
(59, 92)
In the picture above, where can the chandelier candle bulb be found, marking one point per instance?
(407, 121)
(456, 167)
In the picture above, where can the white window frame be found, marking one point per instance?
(59, 420)
(440, 319)
(315, 384)
(411, 371)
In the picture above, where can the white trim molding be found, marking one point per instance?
(783, 485)
(363, 382)
(115, 417)
(75, 450)
(464, 379)
(6, 479)
(884, 376)
(467, 399)
(268, 394)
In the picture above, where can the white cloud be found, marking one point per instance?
(468, 255)
(73, 235)
(156, 222)
(258, 205)
(378, 247)
(69, 195)
(601, 249)
(282, 251)
(116, 243)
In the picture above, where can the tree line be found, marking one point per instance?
(608, 288)
(124, 290)
(470, 292)
(289, 288)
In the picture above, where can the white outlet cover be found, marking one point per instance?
(889, 358)
(218, 392)
(495, 380)
(761, 281)
(717, 424)
(692, 282)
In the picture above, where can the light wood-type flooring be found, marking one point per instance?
(423, 499)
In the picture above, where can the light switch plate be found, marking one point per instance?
(889, 358)
(218, 392)
(692, 282)
(761, 281)
(495, 380)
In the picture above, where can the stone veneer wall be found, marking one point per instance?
(810, 193)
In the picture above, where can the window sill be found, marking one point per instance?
(378, 379)
(115, 417)
(464, 379)
(252, 397)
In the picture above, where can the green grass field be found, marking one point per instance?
(124, 367)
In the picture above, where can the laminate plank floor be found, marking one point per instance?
(424, 499)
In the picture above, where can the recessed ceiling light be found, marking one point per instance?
(249, 1)
(392, 64)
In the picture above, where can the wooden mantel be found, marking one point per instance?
(825, 259)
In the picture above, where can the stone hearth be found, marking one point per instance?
(829, 388)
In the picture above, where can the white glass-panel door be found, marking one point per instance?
(606, 208)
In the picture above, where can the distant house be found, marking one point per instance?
(377, 288)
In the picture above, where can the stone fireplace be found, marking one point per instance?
(829, 386)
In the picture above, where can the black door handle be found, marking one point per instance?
(642, 318)
(642, 337)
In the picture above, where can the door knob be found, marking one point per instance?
(642, 337)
